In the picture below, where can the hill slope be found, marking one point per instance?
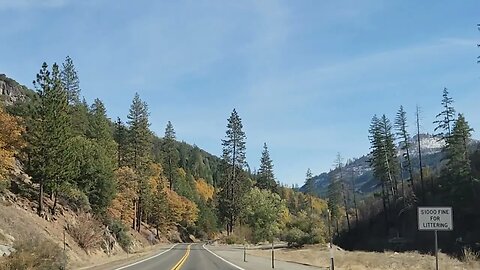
(359, 169)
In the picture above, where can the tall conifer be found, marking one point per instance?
(233, 185)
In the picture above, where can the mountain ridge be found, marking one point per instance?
(360, 170)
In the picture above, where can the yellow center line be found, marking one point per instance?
(180, 263)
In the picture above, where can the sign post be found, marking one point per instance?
(435, 219)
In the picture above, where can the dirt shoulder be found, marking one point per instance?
(19, 222)
(319, 256)
(123, 259)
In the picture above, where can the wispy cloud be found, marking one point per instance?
(28, 4)
(364, 73)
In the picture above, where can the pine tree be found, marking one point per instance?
(120, 135)
(170, 155)
(139, 135)
(100, 129)
(402, 134)
(334, 193)
(48, 157)
(458, 165)
(446, 118)
(339, 166)
(79, 118)
(266, 178)
(309, 183)
(383, 160)
(70, 81)
(420, 161)
(383, 154)
(233, 185)
(139, 150)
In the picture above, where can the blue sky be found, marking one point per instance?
(305, 76)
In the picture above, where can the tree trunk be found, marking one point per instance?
(139, 215)
(134, 222)
(354, 199)
(420, 156)
(385, 208)
(345, 202)
(55, 203)
(337, 229)
(40, 199)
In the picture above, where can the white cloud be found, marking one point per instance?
(372, 71)
(26, 4)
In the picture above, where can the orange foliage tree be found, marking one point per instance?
(204, 189)
(122, 205)
(11, 141)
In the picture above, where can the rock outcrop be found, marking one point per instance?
(11, 91)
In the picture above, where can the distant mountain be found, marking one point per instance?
(360, 169)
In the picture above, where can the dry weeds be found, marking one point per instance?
(358, 260)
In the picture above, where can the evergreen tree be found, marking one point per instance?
(100, 129)
(402, 134)
(139, 151)
(170, 154)
(310, 188)
(265, 177)
(79, 118)
(48, 159)
(458, 165)
(92, 172)
(139, 135)
(334, 193)
(383, 154)
(339, 166)
(70, 81)
(383, 160)
(422, 183)
(309, 183)
(233, 184)
(445, 118)
(120, 135)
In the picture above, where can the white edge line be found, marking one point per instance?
(149, 258)
(234, 265)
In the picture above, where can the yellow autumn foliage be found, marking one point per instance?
(11, 141)
(122, 205)
(204, 189)
(180, 208)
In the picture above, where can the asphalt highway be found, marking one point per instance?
(184, 257)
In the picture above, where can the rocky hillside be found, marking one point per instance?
(11, 91)
(359, 169)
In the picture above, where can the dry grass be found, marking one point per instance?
(86, 231)
(471, 258)
(346, 260)
(35, 253)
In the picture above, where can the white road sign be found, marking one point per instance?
(435, 218)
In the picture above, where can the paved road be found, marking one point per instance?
(184, 257)
(201, 257)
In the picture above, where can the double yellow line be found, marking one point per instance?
(182, 261)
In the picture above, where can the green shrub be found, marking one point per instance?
(232, 239)
(75, 198)
(296, 237)
(120, 231)
(35, 253)
(4, 185)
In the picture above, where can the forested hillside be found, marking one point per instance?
(125, 176)
(373, 200)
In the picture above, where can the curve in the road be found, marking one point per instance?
(180, 263)
(144, 260)
(231, 264)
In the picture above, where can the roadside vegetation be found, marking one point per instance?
(119, 176)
